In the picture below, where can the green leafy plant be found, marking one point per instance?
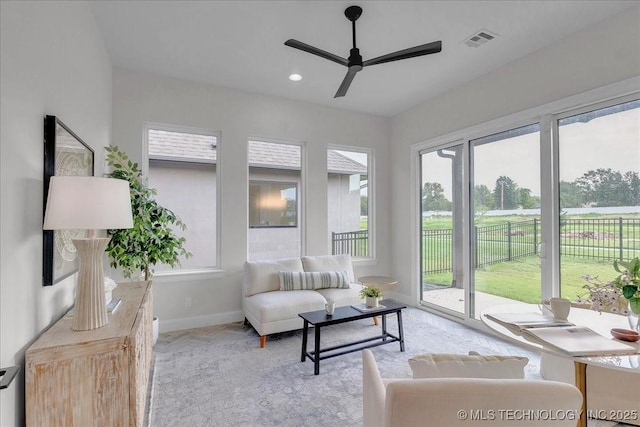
(152, 240)
(618, 294)
(602, 296)
(629, 281)
(370, 291)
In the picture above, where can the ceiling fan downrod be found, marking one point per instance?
(355, 59)
(353, 13)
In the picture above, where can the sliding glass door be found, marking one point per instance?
(505, 218)
(599, 189)
(539, 209)
(442, 207)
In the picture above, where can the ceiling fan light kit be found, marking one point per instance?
(355, 63)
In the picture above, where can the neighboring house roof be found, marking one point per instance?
(270, 155)
(166, 145)
(339, 163)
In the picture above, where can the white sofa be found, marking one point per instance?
(465, 402)
(271, 310)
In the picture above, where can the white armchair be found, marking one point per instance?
(465, 402)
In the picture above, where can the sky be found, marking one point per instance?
(611, 141)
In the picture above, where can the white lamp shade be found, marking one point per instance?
(87, 203)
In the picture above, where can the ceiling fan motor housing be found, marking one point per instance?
(355, 59)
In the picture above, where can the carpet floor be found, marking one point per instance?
(218, 376)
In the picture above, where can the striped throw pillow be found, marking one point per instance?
(301, 280)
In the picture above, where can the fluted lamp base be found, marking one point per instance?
(90, 310)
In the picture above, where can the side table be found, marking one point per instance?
(382, 282)
(378, 281)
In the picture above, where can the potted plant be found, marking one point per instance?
(602, 296)
(629, 282)
(153, 239)
(372, 295)
(620, 295)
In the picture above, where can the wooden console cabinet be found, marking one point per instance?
(93, 378)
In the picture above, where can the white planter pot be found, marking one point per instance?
(372, 301)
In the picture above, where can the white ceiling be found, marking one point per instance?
(240, 44)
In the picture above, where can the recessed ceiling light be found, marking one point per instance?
(295, 77)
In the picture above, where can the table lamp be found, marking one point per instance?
(88, 203)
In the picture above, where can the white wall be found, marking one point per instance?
(189, 190)
(52, 62)
(603, 54)
(142, 97)
(344, 205)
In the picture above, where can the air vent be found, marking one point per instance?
(480, 38)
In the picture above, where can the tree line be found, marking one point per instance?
(600, 187)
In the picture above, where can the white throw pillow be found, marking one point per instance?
(471, 366)
(295, 280)
(329, 263)
(262, 276)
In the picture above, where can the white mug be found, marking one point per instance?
(559, 307)
(330, 307)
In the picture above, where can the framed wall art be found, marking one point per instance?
(64, 154)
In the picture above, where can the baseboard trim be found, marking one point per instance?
(401, 298)
(200, 321)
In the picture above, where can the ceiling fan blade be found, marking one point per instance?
(344, 86)
(315, 51)
(423, 49)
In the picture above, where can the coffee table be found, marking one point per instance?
(320, 319)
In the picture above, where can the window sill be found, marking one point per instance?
(184, 275)
(364, 261)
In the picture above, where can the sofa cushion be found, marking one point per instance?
(329, 263)
(471, 366)
(280, 305)
(310, 280)
(262, 276)
(342, 297)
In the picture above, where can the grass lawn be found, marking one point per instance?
(520, 279)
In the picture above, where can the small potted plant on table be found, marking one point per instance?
(372, 295)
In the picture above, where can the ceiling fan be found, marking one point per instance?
(355, 62)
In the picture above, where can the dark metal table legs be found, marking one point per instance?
(305, 329)
(316, 359)
(384, 327)
(400, 330)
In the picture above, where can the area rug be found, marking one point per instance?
(218, 376)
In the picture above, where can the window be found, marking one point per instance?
(506, 217)
(273, 204)
(528, 211)
(599, 191)
(182, 168)
(348, 202)
(441, 226)
(275, 178)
